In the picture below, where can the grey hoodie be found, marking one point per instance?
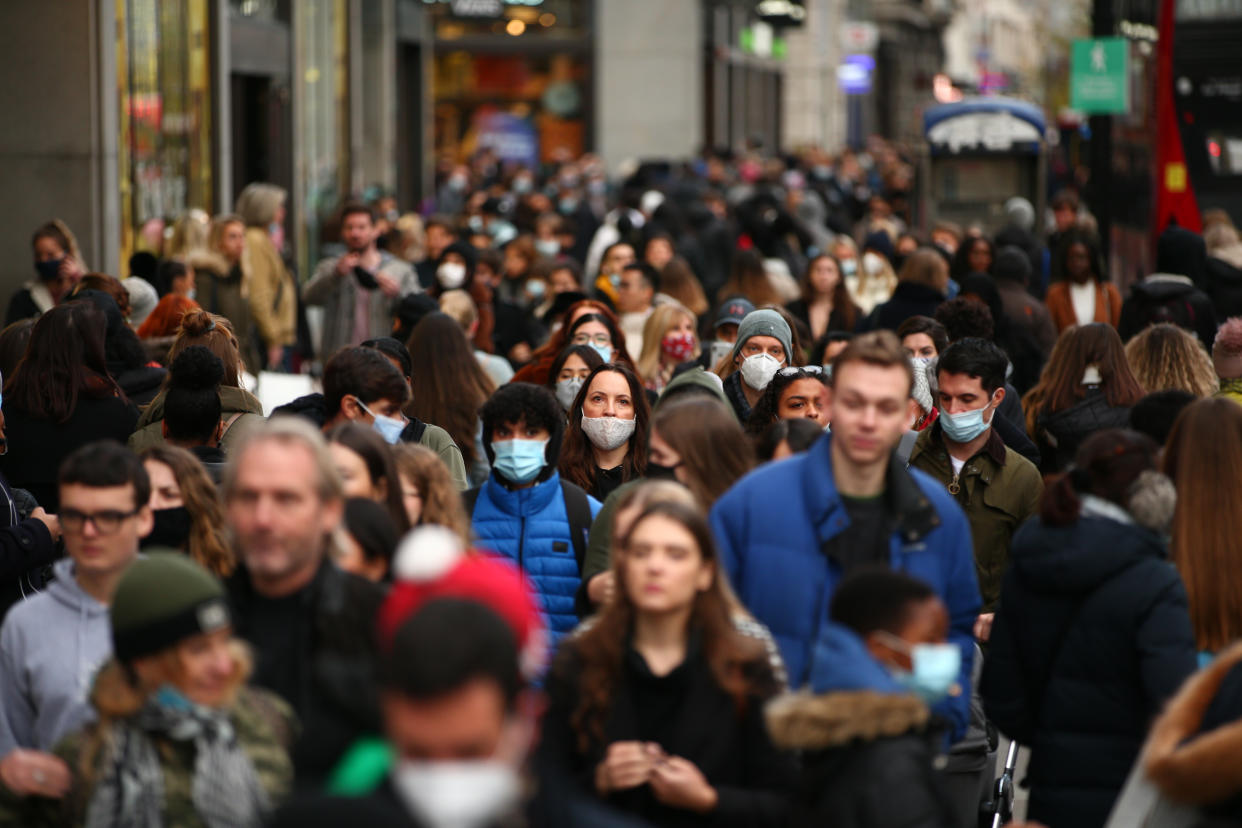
(51, 645)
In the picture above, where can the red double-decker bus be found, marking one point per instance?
(1178, 152)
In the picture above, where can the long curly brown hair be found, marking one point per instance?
(600, 648)
(442, 504)
(207, 543)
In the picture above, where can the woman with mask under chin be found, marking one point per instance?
(524, 511)
(762, 348)
(187, 510)
(59, 267)
(606, 442)
(179, 738)
(570, 371)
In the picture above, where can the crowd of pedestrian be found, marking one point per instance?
(707, 494)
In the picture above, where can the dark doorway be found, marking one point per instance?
(410, 138)
(260, 120)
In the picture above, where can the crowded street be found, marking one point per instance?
(490, 413)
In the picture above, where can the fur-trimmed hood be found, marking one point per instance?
(804, 721)
(1192, 767)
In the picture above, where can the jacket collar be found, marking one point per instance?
(994, 448)
(523, 502)
(1187, 765)
(913, 510)
(802, 721)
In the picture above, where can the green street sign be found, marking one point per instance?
(1100, 76)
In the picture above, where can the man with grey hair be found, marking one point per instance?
(309, 623)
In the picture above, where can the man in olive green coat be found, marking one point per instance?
(997, 488)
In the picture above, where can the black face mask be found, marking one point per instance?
(171, 529)
(366, 279)
(48, 270)
(657, 472)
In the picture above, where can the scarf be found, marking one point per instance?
(130, 793)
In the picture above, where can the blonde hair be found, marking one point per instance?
(442, 503)
(1165, 357)
(458, 305)
(189, 234)
(662, 319)
(258, 203)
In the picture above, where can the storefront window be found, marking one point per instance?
(322, 161)
(164, 86)
(525, 108)
(516, 81)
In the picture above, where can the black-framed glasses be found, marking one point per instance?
(106, 522)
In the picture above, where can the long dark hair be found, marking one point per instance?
(1088, 240)
(1060, 384)
(711, 443)
(584, 352)
(577, 454)
(380, 463)
(767, 407)
(961, 257)
(842, 304)
(600, 649)
(449, 384)
(64, 362)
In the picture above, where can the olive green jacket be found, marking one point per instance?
(998, 489)
(265, 727)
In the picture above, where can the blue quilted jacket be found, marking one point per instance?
(531, 528)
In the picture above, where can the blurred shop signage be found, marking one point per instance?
(511, 137)
(781, 12)
(854, 74)
(486, 8)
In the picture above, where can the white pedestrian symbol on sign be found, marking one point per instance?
(1097, 58)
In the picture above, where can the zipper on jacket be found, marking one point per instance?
(521, 542)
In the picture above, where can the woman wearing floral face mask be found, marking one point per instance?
(762, 348)
(668, 340)
(570, 371)
(606, 443)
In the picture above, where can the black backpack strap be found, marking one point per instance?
(468, 499)
(578, 509)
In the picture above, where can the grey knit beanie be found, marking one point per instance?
(764, 322)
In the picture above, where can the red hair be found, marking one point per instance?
(165, 320)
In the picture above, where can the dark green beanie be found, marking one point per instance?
(162, 599)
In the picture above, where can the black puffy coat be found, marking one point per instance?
(1059, 434)
(1224, 288)
(908, 299)
(1163, 297)
(1091, 638)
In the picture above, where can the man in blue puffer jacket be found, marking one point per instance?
(789, 531)
(520, 511)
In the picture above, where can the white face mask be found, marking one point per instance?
(719, 350)
(451, 275)
(191, 294)
(567, 391)
(758, 370)
(608, 433)
(873, 264)
(466, 794)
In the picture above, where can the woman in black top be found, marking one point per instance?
(656, 707)
(825, 304)
(61, 397)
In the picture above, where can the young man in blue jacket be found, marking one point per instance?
(524, 511)
(789, 531)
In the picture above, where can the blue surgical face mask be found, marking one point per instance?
(519, 461)
(936, 668)
(389, 428)
(604, 351)
(171, 698)
(965, 425)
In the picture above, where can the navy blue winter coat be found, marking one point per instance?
(531, 528)
(1095, 615)
(771, 527)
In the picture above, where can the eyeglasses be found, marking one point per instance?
(106, 522)
(598, 339)
(798, 370)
